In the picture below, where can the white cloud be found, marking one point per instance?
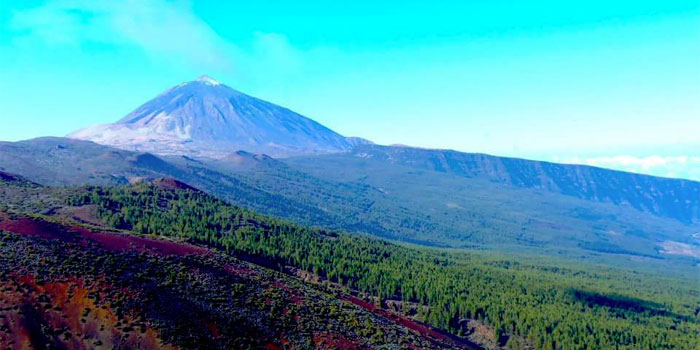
(168, 32)
(163, 29)
(643, 162)
(670, 166)
(269, 58)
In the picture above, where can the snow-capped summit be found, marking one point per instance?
(208, 80)
(208, 119)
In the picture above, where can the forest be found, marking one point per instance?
(540, 302)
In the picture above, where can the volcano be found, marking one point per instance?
(204, 118)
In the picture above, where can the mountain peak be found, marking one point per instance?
(208, 80)
(204, 118)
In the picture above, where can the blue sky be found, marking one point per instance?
(615, 84)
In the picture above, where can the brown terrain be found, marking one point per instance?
(79, 310)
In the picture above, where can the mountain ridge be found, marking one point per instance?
(390, 200)
(587, 182)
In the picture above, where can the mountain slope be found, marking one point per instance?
(362, 193)
(674, 198)
(207, 119)
(73, 278)
(61, 161)
(254, 181)
(68, 286)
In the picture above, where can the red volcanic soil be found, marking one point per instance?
(424, 330)
(330, 341)
(123, 242)
(282, 286)
(167, 183)
(114, 241)
(30, 227)
(215, 332)
(69, 306)
(359, 302)
(238, 270)
(126, 242)
(110, 241)
(294, 295)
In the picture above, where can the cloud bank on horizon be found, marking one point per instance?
(687, 167)
(530, 80)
